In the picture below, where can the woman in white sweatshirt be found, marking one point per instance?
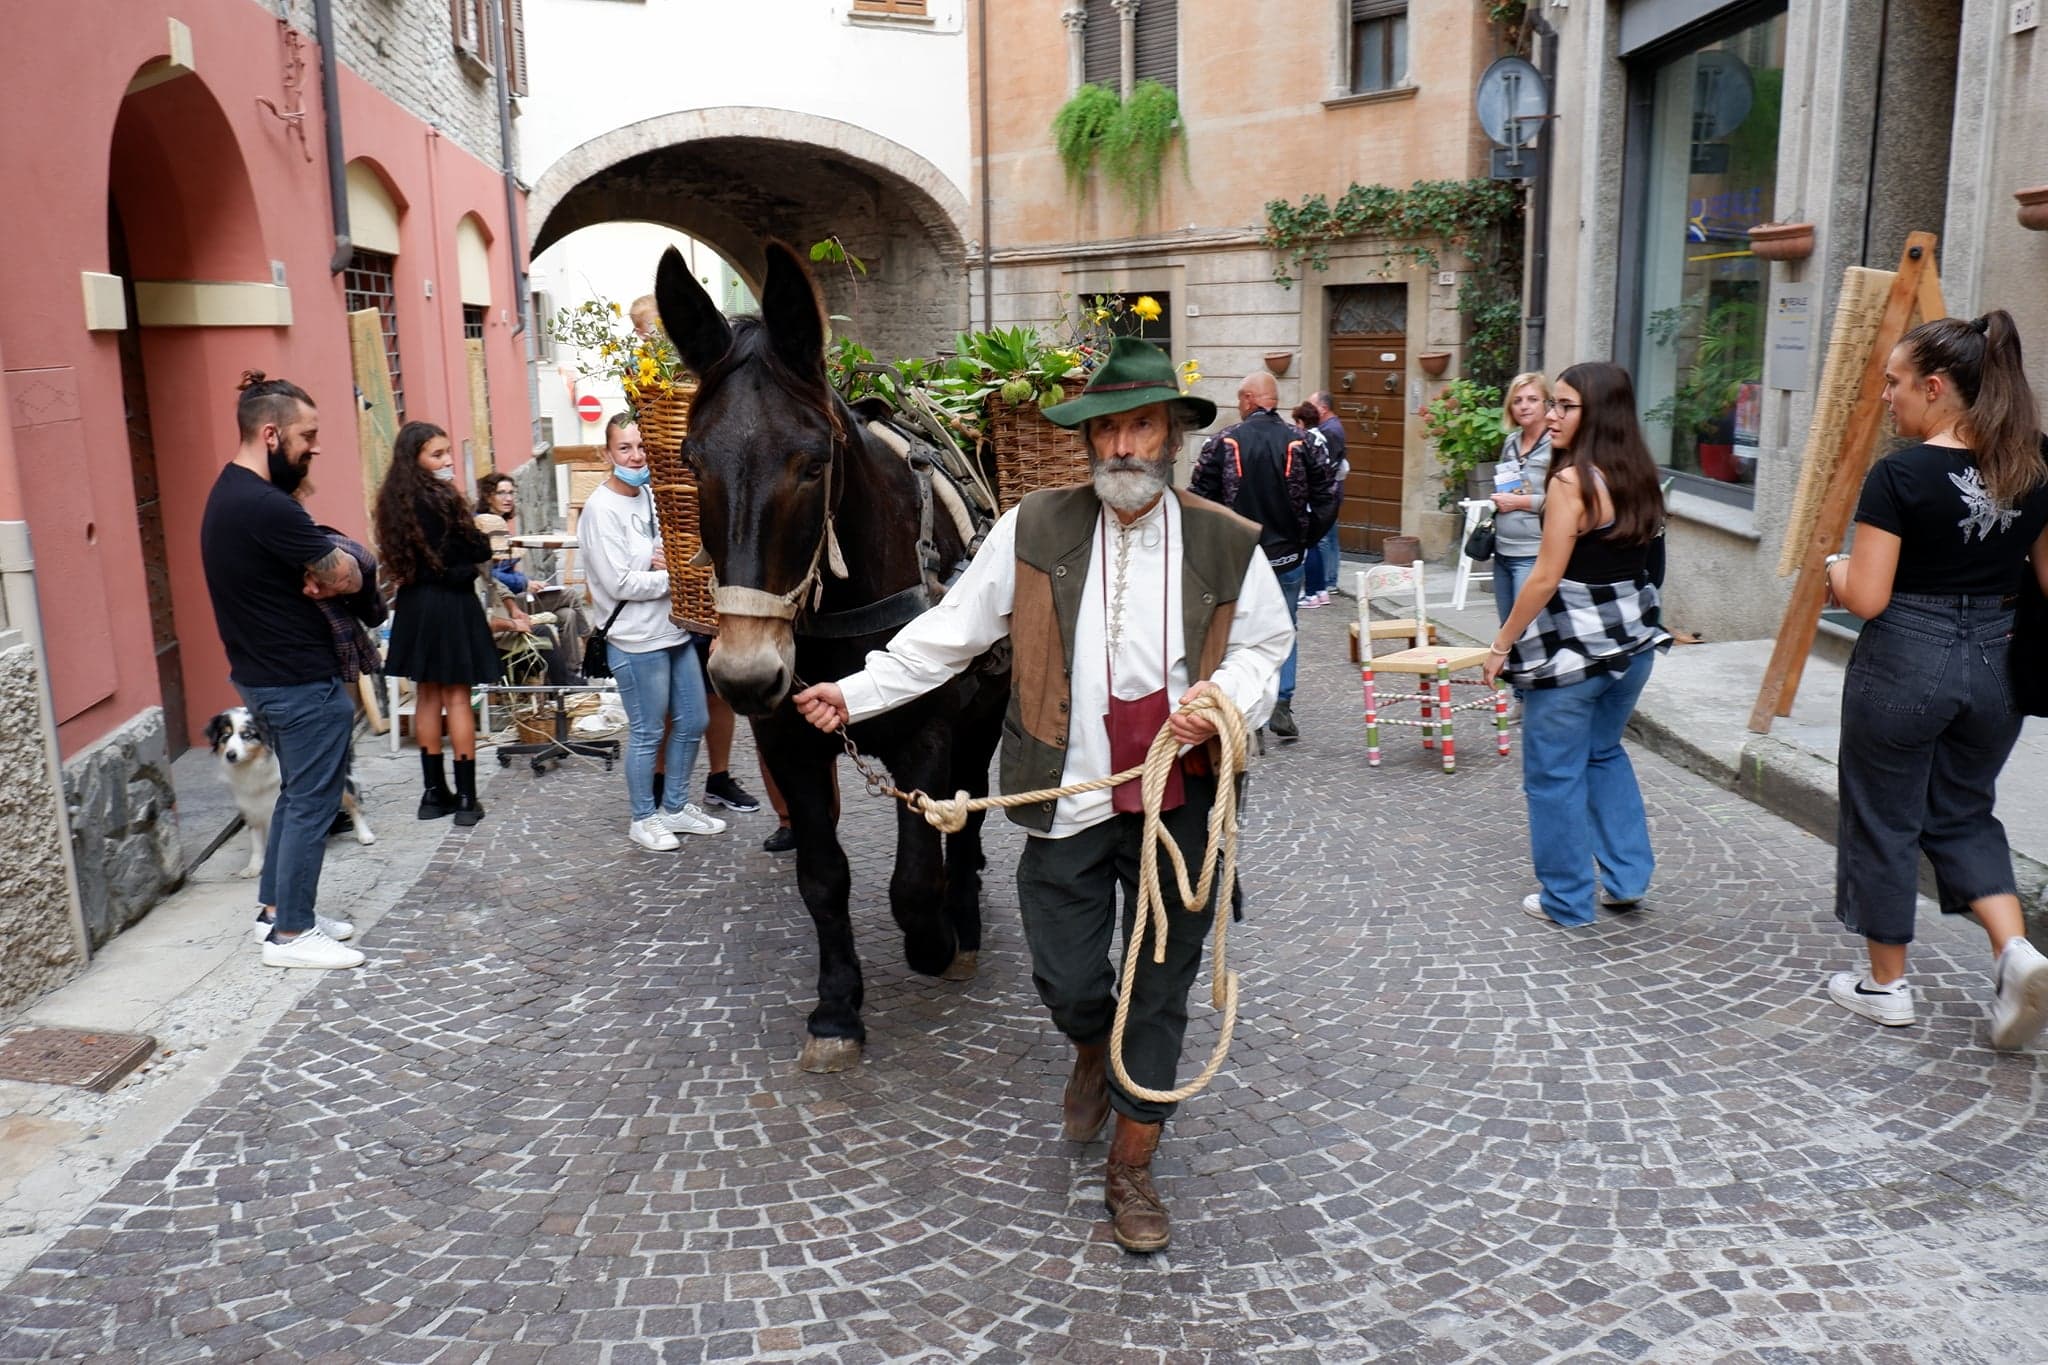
(659, 682)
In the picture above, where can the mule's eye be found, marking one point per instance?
(814, 470)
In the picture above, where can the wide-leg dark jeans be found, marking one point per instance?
(1067, 889)
(1927, 724)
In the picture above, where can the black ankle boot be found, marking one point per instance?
(467, 811)
(436, 802)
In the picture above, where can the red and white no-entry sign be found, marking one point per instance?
(589, 408)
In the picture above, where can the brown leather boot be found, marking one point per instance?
(1086, 1103)
(1136, 1216)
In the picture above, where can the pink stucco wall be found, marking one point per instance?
(211, 187)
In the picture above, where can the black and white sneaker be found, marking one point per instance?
(721, 790)
(1890, 1005)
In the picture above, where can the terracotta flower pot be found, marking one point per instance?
(2033, 207)
(1278, 361)
(1782, 241)
(1434, 363)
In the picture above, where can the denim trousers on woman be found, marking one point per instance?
(311, 725)
(1585, 809)
(657, 686)
(1325, 561)
(1927, 724)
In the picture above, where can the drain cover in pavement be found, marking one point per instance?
(69, 1056)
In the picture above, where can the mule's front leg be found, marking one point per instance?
(804, 773)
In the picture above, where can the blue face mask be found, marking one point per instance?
(632, 478)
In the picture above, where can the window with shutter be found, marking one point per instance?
(1379, 45)
(1158, 42)
(905, 9)
(514, 46)
(370, 281)
(472, 23)
(1102, 46)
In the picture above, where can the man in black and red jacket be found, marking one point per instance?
(1269, 470)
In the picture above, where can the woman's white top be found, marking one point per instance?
(616, 537)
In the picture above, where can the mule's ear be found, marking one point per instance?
(692, 321)
(793, 312)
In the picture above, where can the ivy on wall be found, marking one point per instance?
(1481, 218)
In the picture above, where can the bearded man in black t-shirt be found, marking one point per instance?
(267, 567)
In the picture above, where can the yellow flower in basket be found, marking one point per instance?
(1190, 375)
(1147, 308)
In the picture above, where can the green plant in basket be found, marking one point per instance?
(608, 348)
(1463, 423)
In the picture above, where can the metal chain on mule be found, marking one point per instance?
(1219, 860)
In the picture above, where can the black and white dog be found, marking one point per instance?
(242, 745)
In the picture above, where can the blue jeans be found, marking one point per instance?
(657, 686)
(1584, 805)
(1324, 563)
(1290, 588)
(310, 726)
(1510, 572)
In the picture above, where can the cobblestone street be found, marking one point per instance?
(558, 1118)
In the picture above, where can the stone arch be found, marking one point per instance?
(732, 177)
(178, 179)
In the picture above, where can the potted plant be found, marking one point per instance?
(1463, 423)
(1078, 130)
(2033, 211)
(1434, 363)
(1781, 241)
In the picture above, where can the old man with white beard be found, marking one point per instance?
(1123, 598)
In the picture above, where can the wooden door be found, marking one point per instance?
(1367, 382)
(149, 515)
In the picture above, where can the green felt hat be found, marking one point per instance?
(1135, 374)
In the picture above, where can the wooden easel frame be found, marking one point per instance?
(1916, 286)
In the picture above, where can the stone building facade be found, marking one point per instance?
(1342, 93)
(184, 232)
(1683, 123)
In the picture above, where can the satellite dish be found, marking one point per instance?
(1512, 101)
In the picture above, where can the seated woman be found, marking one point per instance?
(496, 507)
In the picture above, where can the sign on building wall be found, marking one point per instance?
(1791, 333)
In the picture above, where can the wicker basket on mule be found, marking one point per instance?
(664, 415)
(1032, 453)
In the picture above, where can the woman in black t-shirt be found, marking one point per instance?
(1945, 530)
(431, 548)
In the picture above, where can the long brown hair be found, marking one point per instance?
(401, 543)
(2001, 425)
(487, 488)
(1610, 441)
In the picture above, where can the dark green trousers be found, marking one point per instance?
(1067, 890)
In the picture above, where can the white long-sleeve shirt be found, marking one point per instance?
(976, 613)
(616, 537)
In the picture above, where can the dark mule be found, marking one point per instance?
(787, 474)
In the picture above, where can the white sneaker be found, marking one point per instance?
(2019, 979)
(1532, 905)
(652, 834)
(336, 929)
(690, 820)
(1890, 1005)
(311, 949)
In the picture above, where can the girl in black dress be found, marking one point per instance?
(439, 638)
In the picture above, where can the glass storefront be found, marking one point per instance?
(1709, 169)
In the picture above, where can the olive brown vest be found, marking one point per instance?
(1055, 540)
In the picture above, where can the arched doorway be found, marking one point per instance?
(180, 210)
(733, 177)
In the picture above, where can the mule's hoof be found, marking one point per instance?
(825, 1055)
(928, 956)
(963, 967)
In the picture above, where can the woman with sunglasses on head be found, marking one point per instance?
(1580, 640)
(1945, 530)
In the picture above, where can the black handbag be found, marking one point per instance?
(2027, 657)
(597, 663)
(1479, 545)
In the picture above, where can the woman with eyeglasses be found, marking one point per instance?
(1945, 532)
(1580, 641)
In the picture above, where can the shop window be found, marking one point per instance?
(369, 283)
(1703, 171)
(1379, 45)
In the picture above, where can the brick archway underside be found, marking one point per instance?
(735, 178)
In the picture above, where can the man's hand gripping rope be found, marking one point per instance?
(1203, 711)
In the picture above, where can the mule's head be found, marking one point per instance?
(764, 434)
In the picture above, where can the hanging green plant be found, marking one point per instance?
(1134, 147)
(1078, 131)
